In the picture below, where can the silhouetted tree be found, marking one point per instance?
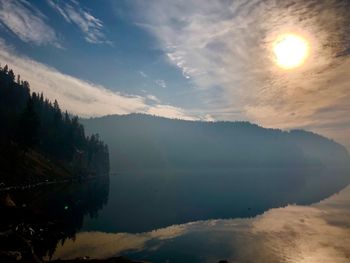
(31, 121)
(11, 75)
(28, 127)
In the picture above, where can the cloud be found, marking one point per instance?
(168, 110)
(161, 83)
(27, 22)
(143, 74)
(226, 47)
(153, 98)
(73, 13)
(82, 97)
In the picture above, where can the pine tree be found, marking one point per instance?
(11, 75)
(31, 121)
(27, 132)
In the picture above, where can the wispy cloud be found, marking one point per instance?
(153, 98)
(27, 22)
(73, 13)
(82, 97)
(226, 47)
(161, 83)
(143, 74)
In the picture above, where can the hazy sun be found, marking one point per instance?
(290, 51)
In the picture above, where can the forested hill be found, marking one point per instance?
(38, 140)
(139, 141)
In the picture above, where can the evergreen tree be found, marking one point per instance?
(28, 127)
(31, 121)
(11, 75)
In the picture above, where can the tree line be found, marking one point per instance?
(30, 122)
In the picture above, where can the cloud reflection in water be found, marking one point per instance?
(317, 233)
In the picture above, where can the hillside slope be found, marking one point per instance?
(39, 141)
(138, 141)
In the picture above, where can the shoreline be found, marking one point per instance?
(48, 182)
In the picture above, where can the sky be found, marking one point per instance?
(188, 59)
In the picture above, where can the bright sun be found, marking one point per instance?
(290, 51)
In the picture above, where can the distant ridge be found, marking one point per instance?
(139, 141)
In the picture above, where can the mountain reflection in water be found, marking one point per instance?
(166, 201)
(295, 233)
(141, 202)
(146, 216)
(52, 213)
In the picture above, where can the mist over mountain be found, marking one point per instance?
(144, 142)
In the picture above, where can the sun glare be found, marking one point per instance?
(290, 51)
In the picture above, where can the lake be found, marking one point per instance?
(276, 215)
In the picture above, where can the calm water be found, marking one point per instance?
(316, 233)
(203, 216)
(140, 202)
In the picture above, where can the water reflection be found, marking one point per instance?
(141, 202)
(53, 213)
(316, 233)
(104, 218)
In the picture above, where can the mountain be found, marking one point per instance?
(38, 141)
(144, 142)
